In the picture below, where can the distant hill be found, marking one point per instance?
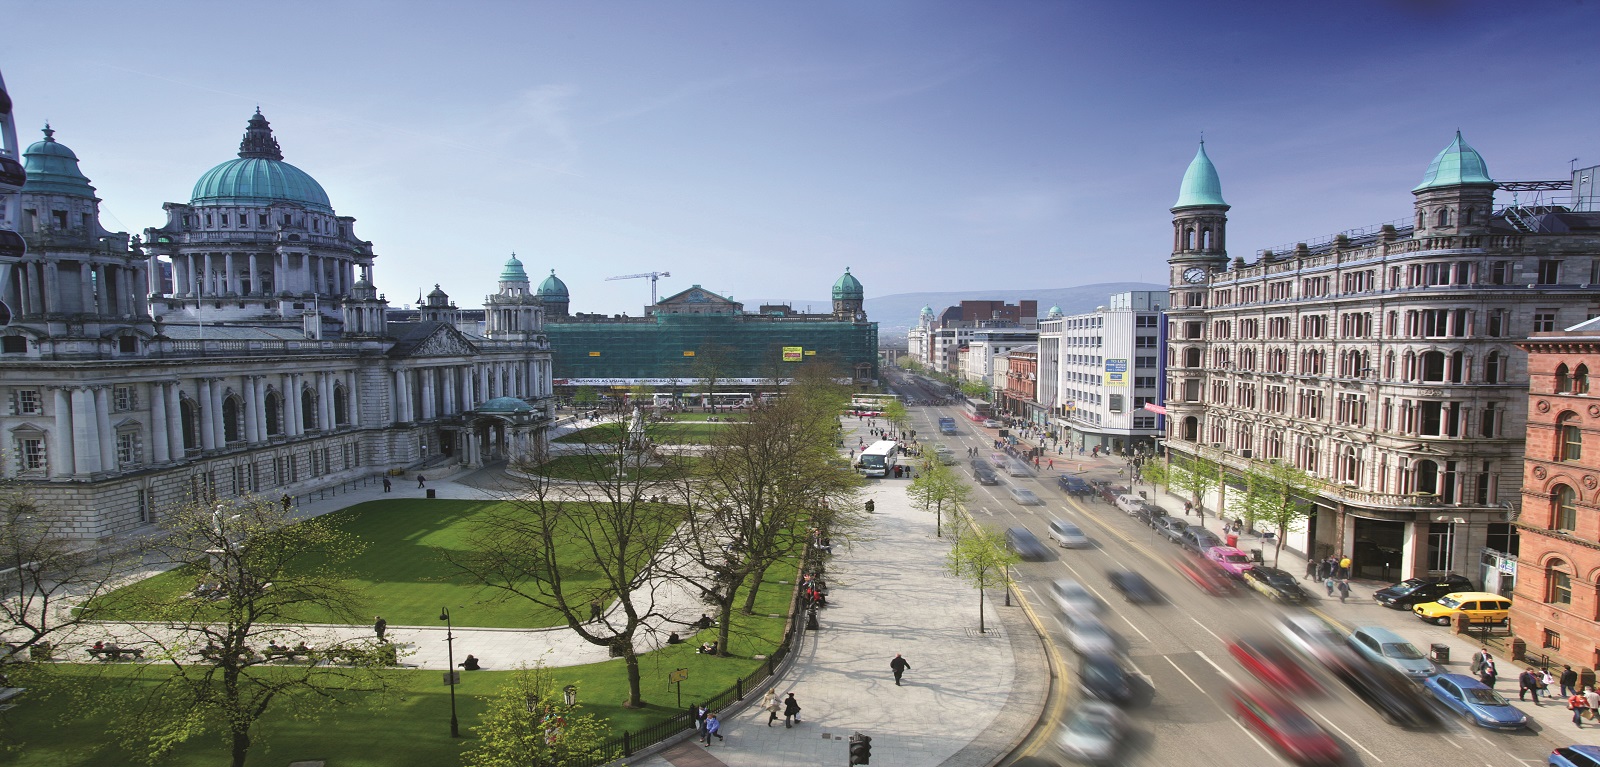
(897, 314)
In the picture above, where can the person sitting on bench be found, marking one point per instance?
(673, 638)
(705, 622)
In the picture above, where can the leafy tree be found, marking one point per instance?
(616, 523)
(981, 559)
(936, 488)
(529, 724)
(896, 414)
(1277, 493)
(586, 396)
(1155, 472)
(42, 567)
(975, 389)
(259, 572)
(1196, 476)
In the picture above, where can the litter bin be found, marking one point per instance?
(1255, 556)
(1439, 653)
(1232, 540)
(431, 493)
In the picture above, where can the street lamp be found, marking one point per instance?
(449, 674)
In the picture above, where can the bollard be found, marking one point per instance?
(811, 619)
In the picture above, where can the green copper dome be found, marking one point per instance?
(1200, 183)
(848, 288)
(259, 176)
(552, 287)
(1457, 164)
(927, 311)
(53, 169)
(513, 271)
(1055, 312)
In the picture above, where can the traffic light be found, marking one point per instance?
(860, 749)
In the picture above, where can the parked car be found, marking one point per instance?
(1269, 661)
(1475, 701)
(1070, 536)
(1381, 645)
(1230, 559)
(1100, 676)
(1575, 756)
(1128, 502)
(1074, 486)
(1198, 539)
(1286, 727)
(1074, 600)
(1089, 636)
(1150, 515)
(1480, 607)
(1135, 587)
(1414, 591)
(1092, 732)
(1026, 544)
(1108, 492)
(1172, 529)
(1276, 585)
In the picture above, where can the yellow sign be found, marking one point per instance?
(678, 676)
(811, 352)
(688, 352)
(793, 353)
(594, 354)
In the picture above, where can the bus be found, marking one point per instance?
(879, 459)
(871, 401)
(976, 409)
(704, 400)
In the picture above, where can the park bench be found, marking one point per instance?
(115, 653)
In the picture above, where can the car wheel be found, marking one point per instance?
(1442, 621)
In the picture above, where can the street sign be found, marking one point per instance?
(452, 677)
(678, 675)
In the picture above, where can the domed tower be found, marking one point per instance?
(1199, 249)
(553, 294)
(1054, 313)
(258, 241)
(925, 318)
(847, 298)
(366, 314)
(437, 308)
(1456, 196)
(79, 286)
(513, 313)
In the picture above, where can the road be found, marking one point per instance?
(1183, 715)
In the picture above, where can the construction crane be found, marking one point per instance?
(653, 277)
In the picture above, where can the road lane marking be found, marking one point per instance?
(1252, 736)
(1186, 676)
(1346, 735)
(1202, 625)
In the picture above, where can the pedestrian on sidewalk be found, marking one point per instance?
(770, 703)
(1479, 658)
(1528, 681)
(286, 501)
(791, 711)
(1344, 567)
(1344, 591)
(898, 666)
(379, 626)
(1311, 568)
(387, 486)
(595, 610)
(1487, 674)
(712, 727)
(1569, 681)
(1578, 704)
(1545, 681)
(700, 713)
(422, 482)
(1327, 583)
(1593, 699)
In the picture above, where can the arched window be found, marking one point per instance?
(1563, 379)
(1188, 239)
(1350, 465)
(1569, 437)
(308, 409)
(274, 408)
(1425, 477)
(232, 420)
(1191, 357)
(1563, 508)
(341, 407)
(1191, 429)
(1205, 239)
(1444, 217)
(1422, 220)
(1558, 583)
(1274, 443)
(1306, 455)
(1491, 368)
(1466, 217)
(1580, 380)
(189, 413)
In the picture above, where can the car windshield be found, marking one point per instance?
(1484, 697)
(1237, 559)
(872, 461)
(1280, 579)
(1401, 650)
(1448, 602)
(1406, 587)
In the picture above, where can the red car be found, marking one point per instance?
(1286, 727)
(1206, 574)
(1269, 661)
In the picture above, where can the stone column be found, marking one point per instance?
(252, 422)
(85, 287)
(260, 408)
(428, 402)
(162, 449)
(220, 423)
(141, 301)
(485, 393)
(325, 400)
(102, 422)
(85, 442)
(451, 404)
(397, 397)
(208, 415)
(152, 275)
(61, 460)
(52, 287)
(230, 276)
(255, 277)
(296, 419)
(174, 421)
(466, 388)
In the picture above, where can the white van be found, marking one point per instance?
(1068, 535)
(1129, 503)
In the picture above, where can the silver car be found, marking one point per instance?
(1381, 645)
(1088, 636)
(1093, 732)
(1025, 496)
(1074, 600)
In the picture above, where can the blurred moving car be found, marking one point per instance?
(1101, 677)
(1205, 574)
(1414, 591)
(1269, 661)
(1092, 732)
(1381, 645)
(1074, 486)
(1074, 600)
(1276, 584)
(1018, 468)
(1134, 587)
(1479, 606)
(1475, 701)
(1026, 544)
(1025, 496)
(1314, 638)
(1230, 559)
(1198, 539)
(991, 424)
(1287, 727)
(1088, 636)
(1396, 698)
(1070, 536)
(945, 455)
(1575, 756)
(985, 476)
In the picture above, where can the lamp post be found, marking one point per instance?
(449, 674)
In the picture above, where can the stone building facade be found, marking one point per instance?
(1382, 361)
(240, 348)
(1556, 602)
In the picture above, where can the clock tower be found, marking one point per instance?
(1199, 249)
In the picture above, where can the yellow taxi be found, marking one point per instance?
(1479, 607)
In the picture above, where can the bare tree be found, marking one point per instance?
(574, 546)
(259, 574)
(45, 572)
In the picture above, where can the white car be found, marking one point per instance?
(1090, 637)
(1093, 732)
(991, 424)
(1315, 639)
(1074, 600)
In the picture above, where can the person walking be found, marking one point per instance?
(387, 486)
(1344, 591)
(1487, 674)
(770, 703)
(595, 610)
(898, 666)
(1311, 569)
(422, 482)
(379, 626)
(1569, 681)
(1592, 698)
(286, 501)
(1578, 704)
(1480, 658)
(791, 711)
(1545, 681)
(700, 714)
(1528, 681)
(712, 727)
(1328, 583)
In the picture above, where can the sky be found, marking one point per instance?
(760, 148)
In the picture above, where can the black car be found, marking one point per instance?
(1100, 676)
(1074, 486)
(1148, 514)
(1172, 528)
(1026, 544)
(985, 476)
(1415, 591)
(1395, 698)
(1276, 584)
(1134, 587)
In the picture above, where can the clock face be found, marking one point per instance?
(1194, 274)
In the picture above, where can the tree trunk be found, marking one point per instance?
(981, 629)
(725, 622)
(241, 745)
(635, 699)
(754, 587)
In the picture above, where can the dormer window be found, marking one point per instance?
(1444, 217)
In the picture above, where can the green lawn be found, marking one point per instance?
(403, 571)
(684, 433)
(58, 731)
(593, 468)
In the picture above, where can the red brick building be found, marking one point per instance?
(1020, 392)
(1557, 599)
